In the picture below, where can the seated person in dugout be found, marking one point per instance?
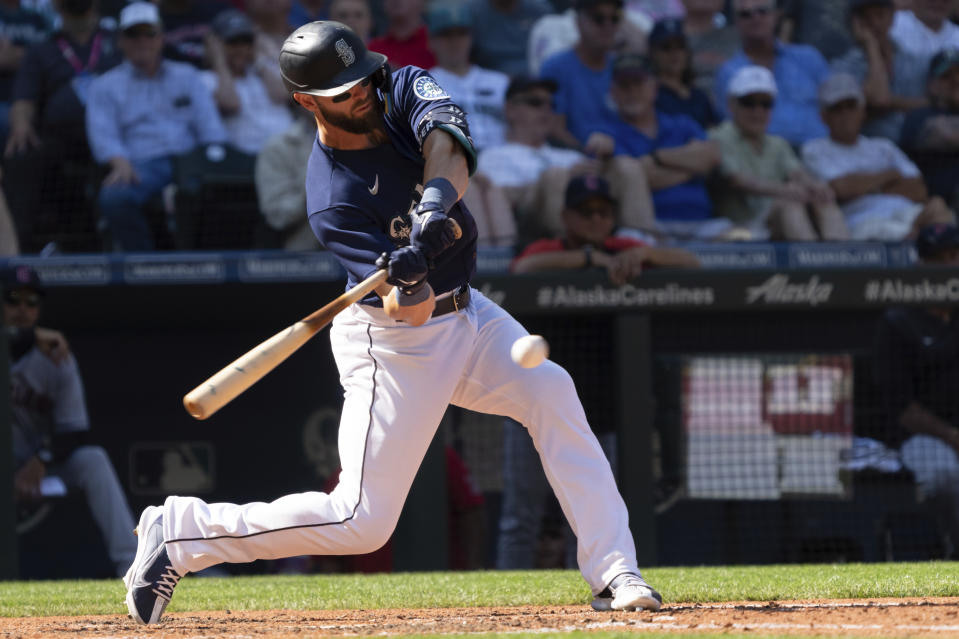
(916, 369)
(761, 185)
(589, 218)
(50, 421)
(880, 190)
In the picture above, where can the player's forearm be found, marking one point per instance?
(445, 158)
(22, 113)
(921, 421)
(698, 158)
(660, 177)
(571, 259)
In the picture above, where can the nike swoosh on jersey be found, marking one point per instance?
(376, 185)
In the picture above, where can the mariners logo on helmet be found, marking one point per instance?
(345, 52)
(426, 88)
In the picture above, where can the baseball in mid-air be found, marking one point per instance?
(529, 351)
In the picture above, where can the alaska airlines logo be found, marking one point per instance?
(345, 52)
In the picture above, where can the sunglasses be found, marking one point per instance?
(752, 103)
(603, 211)
(139, 34)
(534, 101)
(343, 97)
(746, 14)
(600, 19)
(16, 298)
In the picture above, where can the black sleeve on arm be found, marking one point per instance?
(64, 444)
(354, 237)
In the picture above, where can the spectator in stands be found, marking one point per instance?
(50, 421)
(916, 367)
(925, 29)
(556, 32)
(280, 176)
(303, 11)
(710, 39)
(501, 30)
(9, 246)
(406, 40)
(820, 23)
(799, 69)
(656, 10)
(583, 74)
(534, 174)
(589, 222)
(271, 18)
(587, 241)
(355, 14)
(480, 92)
(186, 23)
(19, 28)
(892, 78)
(672, 64)
(673, 150)
(251, 98)
(762, 185)
(139, 115)
(931, 135)
(47, 151)
(881, 191)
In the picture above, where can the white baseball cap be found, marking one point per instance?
(139, 13)
(752, 79)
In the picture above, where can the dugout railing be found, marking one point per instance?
(777, 358)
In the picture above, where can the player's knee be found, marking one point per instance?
(372, 534)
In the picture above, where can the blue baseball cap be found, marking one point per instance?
(585, 187)
(935, 238)
(21, 276)
(448, 15)
(665, 30)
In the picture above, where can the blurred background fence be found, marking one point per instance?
(750, 427)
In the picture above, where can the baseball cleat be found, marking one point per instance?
(628, 592)
(151, 579)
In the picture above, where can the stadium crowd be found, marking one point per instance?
(127, 127)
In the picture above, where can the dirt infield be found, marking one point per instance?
(860, 618)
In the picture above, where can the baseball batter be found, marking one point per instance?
(391, 160)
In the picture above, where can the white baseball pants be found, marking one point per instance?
(398, 381)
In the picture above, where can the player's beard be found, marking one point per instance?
(369, 122)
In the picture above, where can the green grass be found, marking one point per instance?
(422, 590)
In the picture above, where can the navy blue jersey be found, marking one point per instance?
(359, 202)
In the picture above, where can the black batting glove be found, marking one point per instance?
(407, 269)
(431, 231)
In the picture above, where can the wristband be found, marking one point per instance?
(588, 252)
(413, 295)
(441, 191)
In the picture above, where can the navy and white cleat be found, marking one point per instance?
(628, 592)
(151, 579)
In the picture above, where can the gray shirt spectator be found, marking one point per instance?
(893, 78)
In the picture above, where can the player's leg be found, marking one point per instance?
(89, 469)
(398, 381)
(544, 400)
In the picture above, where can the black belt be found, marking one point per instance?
(459, 300)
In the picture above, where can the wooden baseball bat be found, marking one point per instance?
(249, 368)
(234, 378)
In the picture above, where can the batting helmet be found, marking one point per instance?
(326, 58)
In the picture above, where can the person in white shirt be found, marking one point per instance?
(534, 174)
(250, 96)
(880, 190)
(925, 29)
(480, 92)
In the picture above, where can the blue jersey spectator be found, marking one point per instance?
(673, 66)
(583, 74)
(673, 148)
(798, 70)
